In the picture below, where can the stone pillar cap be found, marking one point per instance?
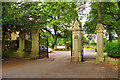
(99, 27)
(76, 26)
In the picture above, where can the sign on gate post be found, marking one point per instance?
(76, 42)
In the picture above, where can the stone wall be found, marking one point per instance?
(112, 63)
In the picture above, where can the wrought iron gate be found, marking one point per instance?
(71, 43)
(43, 47)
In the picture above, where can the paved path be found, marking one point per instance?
(58, 65)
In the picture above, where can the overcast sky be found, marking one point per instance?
(86, 11)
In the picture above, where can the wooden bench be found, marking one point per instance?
(59, 47)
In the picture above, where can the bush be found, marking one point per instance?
(28, 44)
(53, 45)
(112, 49)
(7, 54)
(12, 44)
(93, 42)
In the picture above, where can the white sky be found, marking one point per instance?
(86, 11)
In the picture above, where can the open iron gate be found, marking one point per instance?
(71, 43)
(43, 47)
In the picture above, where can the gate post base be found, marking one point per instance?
(99, 60)
(76, 59)
(80, 59)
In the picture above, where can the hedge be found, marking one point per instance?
(12, 47)
(113, 49)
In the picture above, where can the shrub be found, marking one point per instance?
(53, 45)
(105, 55)
(112, 49)
(12, 44)
(93, 42)
(28, 44)
(7, 54)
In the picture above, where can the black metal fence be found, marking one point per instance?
(43, 47)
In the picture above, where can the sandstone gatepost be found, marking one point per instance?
(100, 54)
(76, 42)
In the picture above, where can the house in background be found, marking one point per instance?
(14, 35)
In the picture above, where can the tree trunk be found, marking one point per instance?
(55, 30)
(55, 39)
(21, 44)
(100, 17)
(119, 38)
(99, 13)
(35, 44)
(110, 37)
(118, 33)
(3, 42)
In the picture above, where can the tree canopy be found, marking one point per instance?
(107, 14)
(24, 16)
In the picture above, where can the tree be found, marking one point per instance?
(105, 14)
(93, 42)
(85, 41)
(16, 17)
(7, 21)
(59, 16)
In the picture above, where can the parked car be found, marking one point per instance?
(43, 47)
(49, 50)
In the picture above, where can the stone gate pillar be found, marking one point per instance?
(76, 42)
(35, 43)
(100, 54)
